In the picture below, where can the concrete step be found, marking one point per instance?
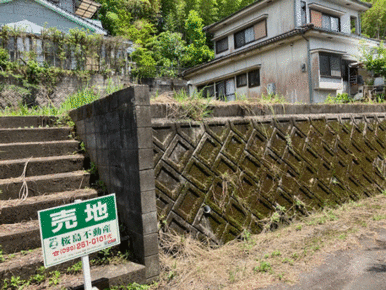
(27, 121)
(34, 135)
(103, 277)
(41, 166)
(45, 184)
(19, 237)
(37, 149)
(26, 264)
(16, 211)
(21, 265)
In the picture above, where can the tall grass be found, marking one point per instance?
(82, 97)
(194, 106)
(113, 87)
(272, 99)
(24, 110)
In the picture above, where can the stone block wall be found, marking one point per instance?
(158, 86)
(244, 168)
(117, 134)
(232, 171)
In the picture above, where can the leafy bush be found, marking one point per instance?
(339, 99)
(4, 58)
(374, 59)
(263, 267)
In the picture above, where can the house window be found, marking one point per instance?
(220, 90)
(241, 80)
(325, 21)
(345, 68)
(250, 34)
(330, 65)
(254, 78)
(11, 48)
(225, 90)
(353, 25)
(222, 45)
(207, 90)
(304, 12)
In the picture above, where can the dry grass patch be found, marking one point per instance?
(196, 107)
(261, 260)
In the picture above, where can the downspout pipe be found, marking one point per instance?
(295, 16)
(311, 90)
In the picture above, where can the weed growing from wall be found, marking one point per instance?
(339, 99)
(272, 99)
(193, 106)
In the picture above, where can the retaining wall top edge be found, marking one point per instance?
(134, 95)
(160, 111)
(166, 121)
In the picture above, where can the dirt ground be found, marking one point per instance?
(360, 269)
(337, 248)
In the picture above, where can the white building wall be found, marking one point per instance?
(348, 48)
(281, 65)
(344, 19)
(280, 19)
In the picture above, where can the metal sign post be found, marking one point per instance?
(77, 230)
(86, 273)
(86, 266)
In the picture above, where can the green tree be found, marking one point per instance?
(244, 3)
(375, 59)
(197, 50)
(208, 11)
(374, 20)
(227, 7)
(114, 15)
(167, 7)
(192, 5)
(146, 65)
(134, 19)
(169, 49)
(174, 15)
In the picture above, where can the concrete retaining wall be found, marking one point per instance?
(244, 168)
(242, 164)
(157, 86)
(117, 134)
(67, 85)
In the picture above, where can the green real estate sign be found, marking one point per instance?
(79, 229)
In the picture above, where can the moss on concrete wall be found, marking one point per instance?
(247, 170)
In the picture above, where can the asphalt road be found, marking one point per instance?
(360, 269)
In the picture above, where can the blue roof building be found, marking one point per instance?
(33, 15)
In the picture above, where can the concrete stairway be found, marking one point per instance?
(46, 159)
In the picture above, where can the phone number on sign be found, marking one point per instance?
(84, 244)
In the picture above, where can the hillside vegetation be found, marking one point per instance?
(168, 33)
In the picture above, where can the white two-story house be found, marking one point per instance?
(299, 49)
